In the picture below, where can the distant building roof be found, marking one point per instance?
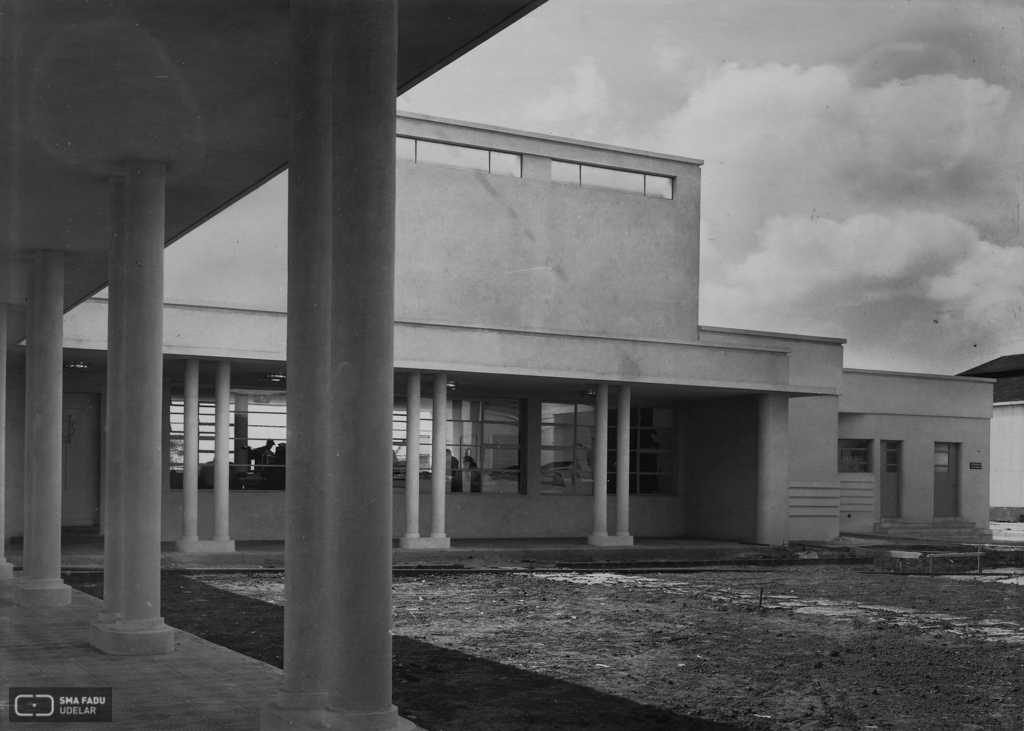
(1002, 367)
(1008, 389)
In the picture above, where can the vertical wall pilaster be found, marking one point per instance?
(773, 469)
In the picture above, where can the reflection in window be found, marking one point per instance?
(484, 445)
(607, 179)
(854, 454)
(399, 442)
(651, 468)
(567, 448)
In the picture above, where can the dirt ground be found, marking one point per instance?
(802, 647)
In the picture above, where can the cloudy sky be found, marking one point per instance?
(863, 159)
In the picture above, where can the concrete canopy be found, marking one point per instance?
(200, 85)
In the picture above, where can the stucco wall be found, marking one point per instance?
(813, 477)
(720, 493)
(918, 435)
(1008, 457)
(494, 251)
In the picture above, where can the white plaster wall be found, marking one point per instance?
(1008, 455)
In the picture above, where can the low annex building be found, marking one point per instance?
(551, 380)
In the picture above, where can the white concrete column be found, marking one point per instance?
(140, 630)
(113, 479)
(308, 482)
(223, 456)
(600, 536)
(40, 584)
(190, 475)
(6, 568)
(439, 463)
(412, 459)
(438, 472)
(773, 469)
(622, 469)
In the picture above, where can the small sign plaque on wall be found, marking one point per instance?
(975, 465)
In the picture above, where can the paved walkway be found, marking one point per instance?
(199, 686)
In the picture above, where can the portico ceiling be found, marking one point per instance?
(199, 84)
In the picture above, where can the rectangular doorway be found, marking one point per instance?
(80, 463)
(889, 480)
(947, 475)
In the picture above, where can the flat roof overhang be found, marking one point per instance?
(199, 84)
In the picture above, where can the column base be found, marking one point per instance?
(113, 640)
(610, 540)
(41, 593)
(274, 717)
(204, 546)
(6, 570)
(425, 542)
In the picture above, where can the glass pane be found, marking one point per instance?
(557, 413)
(501, 411)
(501, 434)
(552, 435)
(567, 173)
(459, 410)
(505, 163)
(501, 459)
(455, 156)
(501, 481)
(591, 177)
(405, 149)
(657, 186)
(650, 484)
(942, 458)
(585, 414)
(942, 469)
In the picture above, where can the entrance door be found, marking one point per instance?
(947, 474)
(890, 480)
(80, 472)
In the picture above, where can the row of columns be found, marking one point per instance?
(220, 541)
(438, 538)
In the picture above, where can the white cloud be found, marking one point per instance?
(582, 94)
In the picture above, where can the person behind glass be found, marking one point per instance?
(475, 479)
(453, 466)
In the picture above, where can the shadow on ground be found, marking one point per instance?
(436, 687)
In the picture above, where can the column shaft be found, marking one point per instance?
(41, 584)
(601, 464)
(190, 476)
(6, 569)
(439, 459)
(364, 37)
(223, 454)
(113, 477)
(143, 396)
(412, 455)
(310, 450)
(622, 465)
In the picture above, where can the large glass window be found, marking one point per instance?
(651, 467)
(257, 432)
(400, 442)
(484, 445)
(567, 448)
(854, 455)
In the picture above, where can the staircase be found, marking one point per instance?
(954, 530)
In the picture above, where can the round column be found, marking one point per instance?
(190, 473)
(622, 468)
(439, 459)
(41, 585)
(412, 455)
(308, 472)
(223, 456)
(113, 480)
(364, 36)
(6, 568)
(141, 630)
(600, 533)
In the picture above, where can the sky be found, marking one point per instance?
(862, 159)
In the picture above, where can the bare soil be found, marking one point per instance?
(803, 647)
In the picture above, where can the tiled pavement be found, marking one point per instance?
(200, 686)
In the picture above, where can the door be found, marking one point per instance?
(947, 475)
(80, 472)
(890, 480)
